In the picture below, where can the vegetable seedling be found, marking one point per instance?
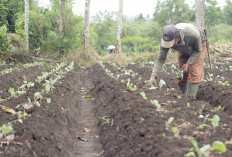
(156, 103)
(176, 132)
(105, 119)
(11, 91)
(200, 151)
(143, 95)
(214, 121)
(168, 122)
(161, 83)
(220, 146)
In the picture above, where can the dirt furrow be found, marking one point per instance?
(88, 139)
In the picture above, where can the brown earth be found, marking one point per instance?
(93, 113)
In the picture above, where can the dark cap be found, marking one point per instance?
(170, 32)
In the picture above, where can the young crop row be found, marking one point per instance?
(27, 85)
(57, 73)
(125, 77)
(28, 65)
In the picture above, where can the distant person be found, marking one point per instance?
(190, 42)
(111, 49)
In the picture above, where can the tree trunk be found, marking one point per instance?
(86, 26)
(26, 27)
(200, 13)
(60, 18)
(119, 34)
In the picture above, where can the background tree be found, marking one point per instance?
(8, 13)
(200, 13)
(171, 12)
(61, 17)
(119, 34)
(213, 13)
(26, 24)
(86, 26)
(228, 12)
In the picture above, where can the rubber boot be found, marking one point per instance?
(192, 89)
(183, 88)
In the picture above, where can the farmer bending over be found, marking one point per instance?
(190, 42)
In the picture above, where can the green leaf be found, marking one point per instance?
(37, 104)
(49, 100)
(11, 91)
(37, 96)
(218, 145)
(215, 121)
(88, 96)
(204, 148)
(190, 154)
(202, 126)
(194, 143)
(143, 95)
(7, 128)
(170, 120)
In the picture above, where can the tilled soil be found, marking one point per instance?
(94, 113)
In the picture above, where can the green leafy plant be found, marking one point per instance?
(168, 122)
(156, 103)
(220, 146)
(202, 126)
(152, 87)
(47, 86)
(176, 132)
(209, 77)
(11, 91)
(161, 83)
(214, 121)
(21, 92)
(49, 100)
(179, 74)
(226, 83)
(105, 119)
(22, 115)
(143, 95)
(188, 104)
(200, 151)
(5, 129)
(37, 96)
(30, 84)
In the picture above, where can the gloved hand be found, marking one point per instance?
(153, 80)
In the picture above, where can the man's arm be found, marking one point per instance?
(160, 61)
(158, 65)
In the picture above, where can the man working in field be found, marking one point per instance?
(190, 42)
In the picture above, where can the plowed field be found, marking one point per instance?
(61, 109)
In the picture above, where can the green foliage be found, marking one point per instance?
(213, 13)
(228, 12)
(9, 10)
(171, 12)
(220, 33)
(105, 31)
(43, 32)
(4, 42)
